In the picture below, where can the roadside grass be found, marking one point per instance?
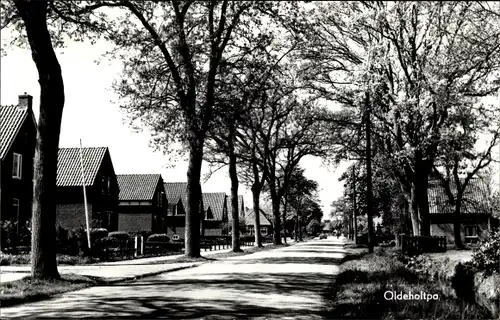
(358, 292)
(28, 290)
(62, 259)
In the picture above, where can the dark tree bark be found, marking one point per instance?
(276, 215)
(192, 231)
(234, 194)
(457, 223)
(43, 240)
(284, 219)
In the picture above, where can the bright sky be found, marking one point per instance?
(90, 115)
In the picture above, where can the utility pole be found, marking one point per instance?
(354, 212)
(369, 187)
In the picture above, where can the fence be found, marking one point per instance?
(110, 249)
(420, 244)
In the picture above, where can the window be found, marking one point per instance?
(250, 230)
(470, 231)
(263, 231)
(17, 161)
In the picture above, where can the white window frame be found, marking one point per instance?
(474, 231)
(175, 237)
(263, 231)
(17, 165)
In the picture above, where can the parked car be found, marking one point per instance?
(322, 236)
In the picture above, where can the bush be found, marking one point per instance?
(98, 233)
(119, 235)
(160, 237)
(486, 256)
(314, 227)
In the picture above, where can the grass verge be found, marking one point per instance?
(358, 292)
(28, 290)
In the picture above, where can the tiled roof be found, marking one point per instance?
(216, 202)
(11, 120)
(241, 208)
(137, 187)
(69, 170)
(475, 201)
(250, 219)
(175, 191)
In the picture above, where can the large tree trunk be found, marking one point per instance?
(256, 210)
(234, 197)
(415, 222)
(193, 214)
(284, 220)
(422, 186)
(300, 230)
(43, 240)
(296, 230)
(456, 225)
(276, 215)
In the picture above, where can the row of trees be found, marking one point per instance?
(244, 84)
(212, 75)
(426, 67)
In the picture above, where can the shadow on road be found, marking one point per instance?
(234, 289)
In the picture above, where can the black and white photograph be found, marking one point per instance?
(249, 159)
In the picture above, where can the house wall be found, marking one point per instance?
(443, 226)
(135, 222)
(177, 230)
(22, 189)
(213, 232)
(72, 215)
(104, 206)
(251, 229)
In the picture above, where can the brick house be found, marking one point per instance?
(215, 214)
(476, 213)
(266, 227)
(101, 187)
(17, 149)
(142, 203)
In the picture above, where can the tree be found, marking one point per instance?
(32, 17)
(172, 54)
(460, 160)
(314, 227)
(300, 188)
(239, 93)
(418, 61)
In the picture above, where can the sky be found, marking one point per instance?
(91, 114)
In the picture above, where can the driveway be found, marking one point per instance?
(285, 283)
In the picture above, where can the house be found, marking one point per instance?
(17, 150)
(266, 227)
(215, 217)
(175, 221)
(102, 188)
(476, 212)
(142, 203)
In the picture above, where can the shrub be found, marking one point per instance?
(314, 227)
(486, 256)
(161, 237)
(98, 233)
(119, 235)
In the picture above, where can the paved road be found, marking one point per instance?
(285, 283)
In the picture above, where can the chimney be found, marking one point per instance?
(25, 101)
